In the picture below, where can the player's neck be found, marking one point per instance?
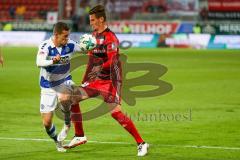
(102, 28)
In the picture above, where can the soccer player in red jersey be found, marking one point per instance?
(104, 76)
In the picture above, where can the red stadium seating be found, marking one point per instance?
(33, 7)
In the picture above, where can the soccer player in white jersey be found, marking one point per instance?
(55, 80)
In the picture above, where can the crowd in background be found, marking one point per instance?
(76, 11)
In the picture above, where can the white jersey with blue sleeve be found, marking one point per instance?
(52, 75)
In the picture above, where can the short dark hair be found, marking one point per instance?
(59, 27)
(99, 11)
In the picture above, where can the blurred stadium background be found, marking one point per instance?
(197, 40)
(172, 23)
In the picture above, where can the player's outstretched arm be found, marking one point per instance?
(43, 62)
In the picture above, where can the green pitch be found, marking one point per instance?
(198, 119)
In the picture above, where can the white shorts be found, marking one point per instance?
(49, 96)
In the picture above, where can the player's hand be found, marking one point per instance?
(95, 72)
(56, 59)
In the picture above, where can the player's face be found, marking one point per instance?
(62, 38)
(95, 22)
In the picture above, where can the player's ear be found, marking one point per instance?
(101, 19)
(55, 34)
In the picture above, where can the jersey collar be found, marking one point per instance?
(106, 29)
(51, 42)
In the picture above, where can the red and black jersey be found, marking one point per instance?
(105, 54)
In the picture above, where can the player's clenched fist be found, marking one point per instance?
(56, 59)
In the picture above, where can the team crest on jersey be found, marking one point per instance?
(101, 41)
(67, 49)
(52, 52)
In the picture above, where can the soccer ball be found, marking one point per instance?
(87, 42)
